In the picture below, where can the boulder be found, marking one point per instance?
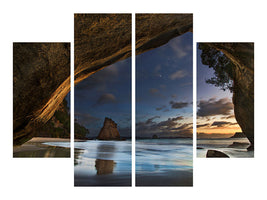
(155, 137)
(109, 131)
(215, 154)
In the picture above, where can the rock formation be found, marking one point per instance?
(242, 56)
(109, 131)
(155, 136)
(239, 135)
(40, 78)
(215, 153)
(41, 71)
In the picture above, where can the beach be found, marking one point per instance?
(37, 147)
(226, 146)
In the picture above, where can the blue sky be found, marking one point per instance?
(106, 93)
(164, 89)
(163, 92)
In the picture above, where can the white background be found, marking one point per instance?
(52, 21)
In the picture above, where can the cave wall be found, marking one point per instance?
(41, 71)
(242, 55)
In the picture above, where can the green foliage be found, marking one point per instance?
(80, 131)
(223, 67)
(59, 126)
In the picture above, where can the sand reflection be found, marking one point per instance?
(104, 166)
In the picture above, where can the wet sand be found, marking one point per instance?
(170, 178)
(102, 180)
(36, 148)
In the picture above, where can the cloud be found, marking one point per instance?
(170, 122)
(178, 105)
(214, 107)
(150, 120)
(172, 127)
(202, 125)
(213, 135)
(178, 74)
(180, 49)
(106, 98)
(162, 86)
(177, 118)
(228, 117)
(153, 91)
(174, 96)
(222, 123)
(184, 126)
(160, 108)
(85, 118)
(157, 71)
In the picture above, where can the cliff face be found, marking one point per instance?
(41, 71)
(40, 75)
(242, 55)
(109, 131)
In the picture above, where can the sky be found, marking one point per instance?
(106, 93)
(164, 95)
(164, 89)
(215, 115)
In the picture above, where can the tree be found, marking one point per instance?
(223, 67)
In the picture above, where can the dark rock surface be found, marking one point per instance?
(242, 56)
(215, 154)
(40, 74)
(109, 131)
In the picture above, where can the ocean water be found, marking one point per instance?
(222, 144)
(108, 163)
(113, 157)
(159, 155)
(101, 163)
(163, 162)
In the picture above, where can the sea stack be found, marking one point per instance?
(109, 131)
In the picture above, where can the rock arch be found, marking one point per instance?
(41, 78)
